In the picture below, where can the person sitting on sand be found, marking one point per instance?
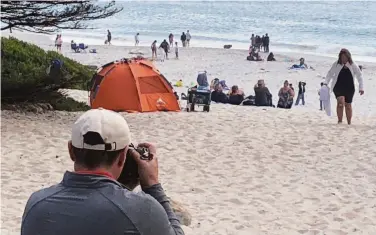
(179, 83)
(271, 57)
(263, 95)
(286, 96)
(213, 83)
(236, 96)
(218, 96)
(254, 55)
(92, 199)
(223, 84)
(301, 65)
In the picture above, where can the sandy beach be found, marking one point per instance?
(237, 169)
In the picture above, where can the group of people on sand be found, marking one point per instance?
(166, 46)
(260, 42)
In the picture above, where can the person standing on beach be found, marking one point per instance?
(301, 93)
(58, 42)
(154, 50)
(109, 37)
(90, 199)
(171, 39)
(137, 39)
(321, 84)
(183, 38)
(165, 47)
(176, 50)
(342, 75)
(325, 98)
(266, 43)
(253, 40)
(188, 37)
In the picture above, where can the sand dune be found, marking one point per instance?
(238, 170)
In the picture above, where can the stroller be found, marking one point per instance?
(199, 95)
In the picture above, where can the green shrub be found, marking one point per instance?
(24, 77)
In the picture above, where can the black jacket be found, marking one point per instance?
(263, 96)
(183, 37)
(219, 97)
(266, 39)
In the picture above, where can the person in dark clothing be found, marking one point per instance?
(218, 96)
(301, 93)
(263, 95)
(109, 37)
(271, 57)
(164, 45)
(90, 200)
(267, 41)
(183, 39)
(236, 96)
(343, 72)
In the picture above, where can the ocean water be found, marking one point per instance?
(321, 28)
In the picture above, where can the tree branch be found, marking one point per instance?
(50, 16)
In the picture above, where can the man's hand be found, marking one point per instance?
(361, 92)
(148, 169)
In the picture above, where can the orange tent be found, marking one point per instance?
(132, 86)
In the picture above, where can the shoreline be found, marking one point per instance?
(195, 44)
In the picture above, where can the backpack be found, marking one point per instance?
(56, 64)
(54, 71)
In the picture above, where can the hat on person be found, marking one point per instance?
(110, 127)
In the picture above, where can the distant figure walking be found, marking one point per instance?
(183, 39)
(109, 37)
(176, 50)
(58, 42)
(137, 39)
(342, 74)
(154, 50)
(266, 43)
(188, 37)
(171, 39)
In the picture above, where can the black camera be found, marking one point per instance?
(129, 176)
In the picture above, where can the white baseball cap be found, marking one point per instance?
(110, 126)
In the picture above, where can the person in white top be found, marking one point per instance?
(325, 98)
(137, 39)
(188, 37)
(342, 75)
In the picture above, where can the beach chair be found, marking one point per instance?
(82, 47)
(75, 48)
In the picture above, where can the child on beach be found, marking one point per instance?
(321, 84)
(325, 98)
(154, 50)
(176, 50)
(58, 42)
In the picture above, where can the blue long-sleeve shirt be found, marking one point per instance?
(96, 205)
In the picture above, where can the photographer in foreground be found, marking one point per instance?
(90, 200)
